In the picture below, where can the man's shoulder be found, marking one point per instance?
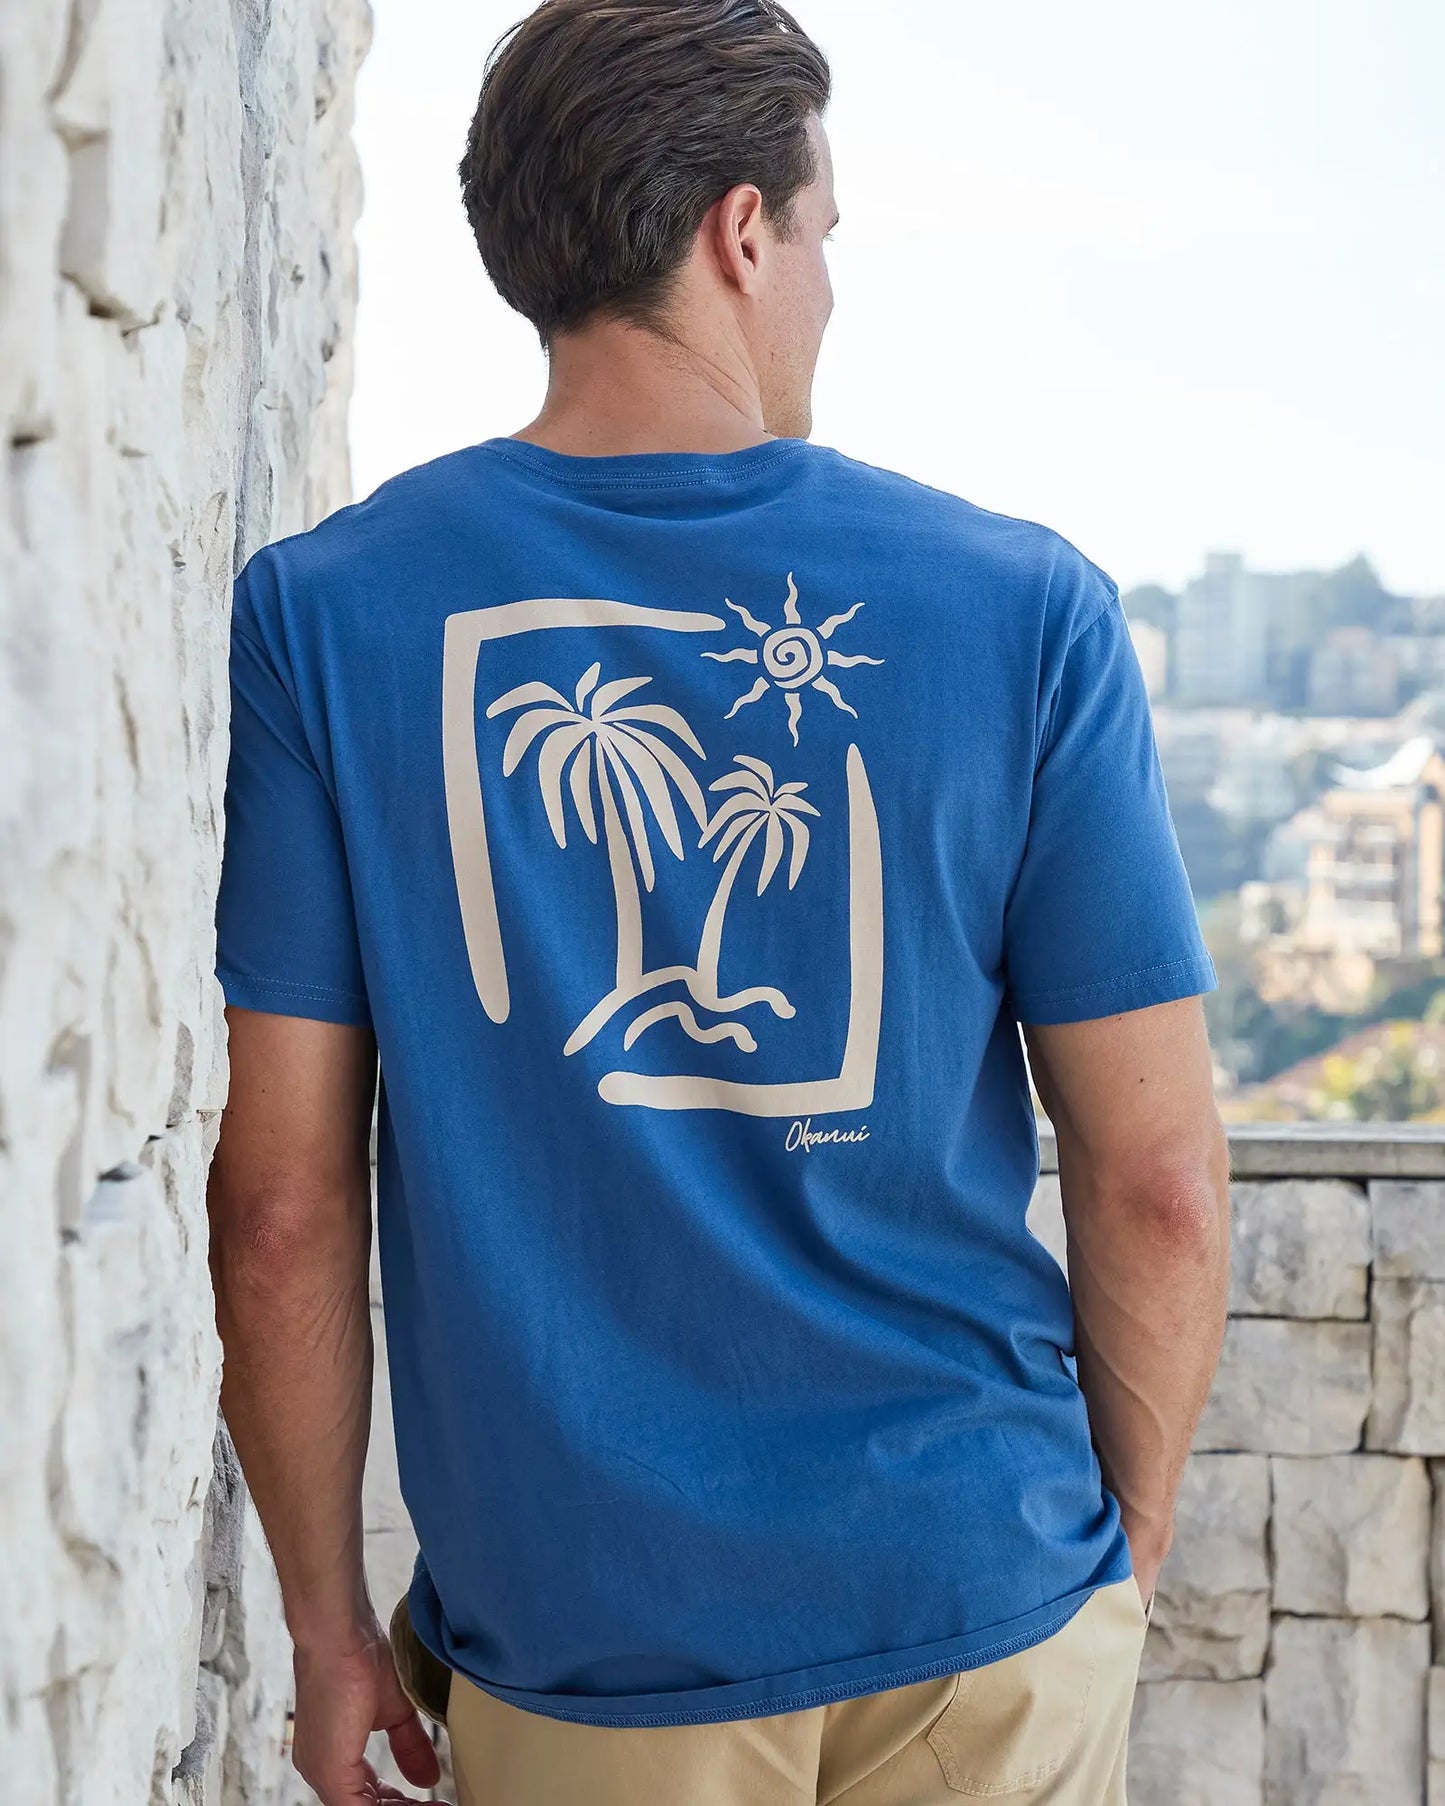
(1004, 553)
(346, 567)
(399, 510)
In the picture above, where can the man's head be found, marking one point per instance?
(663, 163)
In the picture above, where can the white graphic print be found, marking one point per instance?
(625, 751)
(792, 656)
(758, 805)
(621, 761)
(852, 1086)
(638, 765)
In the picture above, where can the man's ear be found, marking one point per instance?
(735, 233)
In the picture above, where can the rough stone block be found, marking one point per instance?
(1211, 1610)
(1345, 1712)
(1288, 1387)
(1409, 1228)
(257, 1668)
(1408, 1413)
(1197, 1743)
(1437, 1557)
(382, 1506)
(1301, 1248)
(1435, 1739)
(1351, 1536)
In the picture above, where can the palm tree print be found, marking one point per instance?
(758, 806)
(590, 743)
(619, 763)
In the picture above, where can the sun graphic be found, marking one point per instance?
(792, 655)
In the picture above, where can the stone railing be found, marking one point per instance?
(1290, 1661)
(1298, 1618)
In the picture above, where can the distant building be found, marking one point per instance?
(1221, 640)
(1242, 637)
(1191, 748)
(1377, 870)
(1151, 648)
(1419, 660)
(1286, 857)
(1269, 911)
(1355, 672)
(1373, 890)
(1254, 781)
(1250, 638)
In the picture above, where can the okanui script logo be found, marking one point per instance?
(803, 1137)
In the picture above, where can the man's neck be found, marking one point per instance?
(614, 390)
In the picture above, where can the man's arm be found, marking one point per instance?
(290, 1209)
(1144, 1172)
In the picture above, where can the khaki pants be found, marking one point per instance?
(1048, 1726)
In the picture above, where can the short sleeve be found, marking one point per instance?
(1101, 918)
(286, 939)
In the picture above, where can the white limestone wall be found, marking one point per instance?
(177, 195)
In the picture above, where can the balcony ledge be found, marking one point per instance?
(1350, 1150)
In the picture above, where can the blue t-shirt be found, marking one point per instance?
(694, 832)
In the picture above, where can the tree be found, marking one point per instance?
(610, 760)
(1353, 596)
(759, 807)
(1396, 1078)
(629, 764)
(1151, 602)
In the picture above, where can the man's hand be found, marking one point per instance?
(342, 1696)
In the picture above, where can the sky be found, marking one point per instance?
(1168, 279)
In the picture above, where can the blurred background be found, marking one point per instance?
(1170, 280)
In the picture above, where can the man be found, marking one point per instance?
(689, 817)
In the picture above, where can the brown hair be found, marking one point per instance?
(607, 128)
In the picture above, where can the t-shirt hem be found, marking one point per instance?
(1136, 990)
(279, 997)
(795, 1691)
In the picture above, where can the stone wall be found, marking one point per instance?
(1301, 1613)
(177, 194)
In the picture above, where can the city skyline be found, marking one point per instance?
(1166, 317)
